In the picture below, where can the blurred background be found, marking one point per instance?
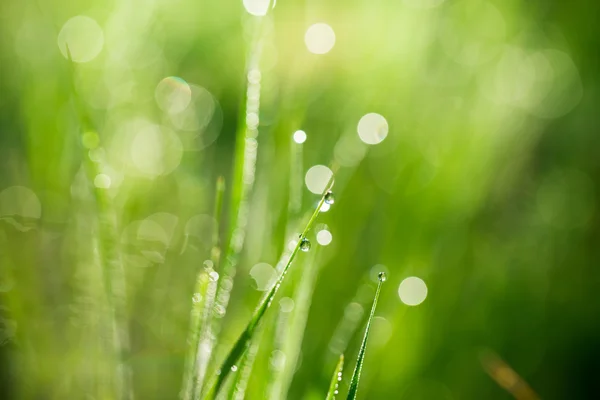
(464, 140)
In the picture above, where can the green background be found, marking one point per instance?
(486, 187)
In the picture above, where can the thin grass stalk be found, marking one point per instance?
(353, 390)
(202, 339)
(335, 379)
(198, 300)
(243, 180)
(295, 200)
(241, 381)
(281, 340)
(240, 384)
(243, 341)
(110, 258)
(295, 325)
(199, 313)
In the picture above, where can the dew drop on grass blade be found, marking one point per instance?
(199, 303)
(335, 379)
(363, 347)
(243, 341)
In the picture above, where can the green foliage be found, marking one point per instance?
(125, 272)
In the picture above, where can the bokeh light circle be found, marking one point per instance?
(102, 181)
(412, 291)
(472, 33)
(557, 87)
(264, 275)
(173, 94)
(83, 36)
(324, 237)
(257, 8)
(299, 136)
(319, 38)
(372, 128)
(286, 304)
(422, 4)
(199, 112)
(156, 151)
(317, 177)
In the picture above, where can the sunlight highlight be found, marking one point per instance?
(257, 8)
(324, 237)
(319, 38)
(317, 177)
(299, 136)
(83, 36)
(372, 128)
(412, 291)
(173, 94)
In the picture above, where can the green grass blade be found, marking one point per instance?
(363, 347)
(198, 315)
(215, 254)
(335, 379)
(110, 255)
(244, 340)
(198, 300)
(240, 384)
(290, 343)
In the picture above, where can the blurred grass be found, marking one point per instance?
(485, 187)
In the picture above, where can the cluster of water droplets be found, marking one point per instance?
(339, 379)
(305, 244)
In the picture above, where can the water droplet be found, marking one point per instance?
(304, 244)
(382, 277)
(329, 199)
(234, 368)
(197, 297)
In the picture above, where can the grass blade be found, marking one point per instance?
(109, 252)
(335, 379)
(203, 340)
(244, 340)
(290, 340)
(506, 377)
(200, 305)
(363, 347)
(240, 384)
